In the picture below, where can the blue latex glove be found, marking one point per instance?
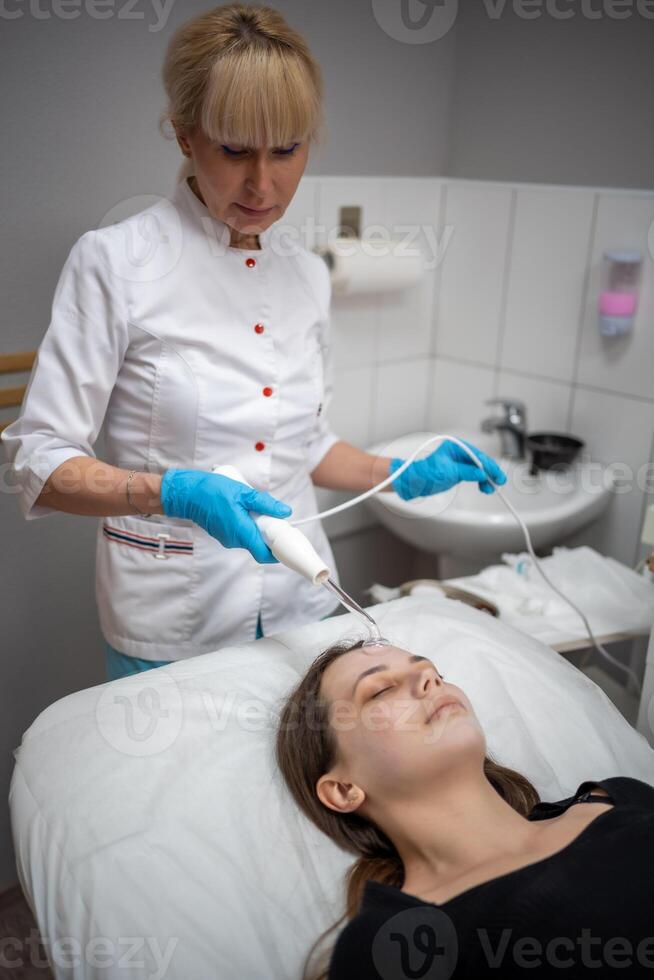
(220, 506)
(443, 469)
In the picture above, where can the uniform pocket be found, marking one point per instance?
(162, 542)
(144, 579)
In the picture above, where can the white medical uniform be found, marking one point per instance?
(191, 353)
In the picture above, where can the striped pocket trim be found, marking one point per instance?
(162, 544)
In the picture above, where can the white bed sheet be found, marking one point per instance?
(153, 834)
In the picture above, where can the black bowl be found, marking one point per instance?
(551, 450)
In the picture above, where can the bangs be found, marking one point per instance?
(261, 97)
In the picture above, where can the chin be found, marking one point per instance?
(249, 227)
(460, 731)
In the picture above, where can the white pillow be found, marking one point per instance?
(151, 807)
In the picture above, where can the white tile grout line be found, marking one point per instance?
(465, 362)
(630, 396)
(611, 393)
(534, 377)
(590, 248)
(647, 500)
(506, 273)
(530, 375)
(448, 359)
(374, 381)
(436, 304)
(435, 310)
(317, 204)
(377, 330)
(479, 181)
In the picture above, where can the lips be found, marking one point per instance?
(441, 703)
(254, 210)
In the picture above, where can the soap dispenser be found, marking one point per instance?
(619, 294)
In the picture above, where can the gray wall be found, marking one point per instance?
(79, 121)
(553, 101)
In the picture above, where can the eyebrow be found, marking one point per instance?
(414, 658)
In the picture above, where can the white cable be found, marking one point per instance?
(525, 530)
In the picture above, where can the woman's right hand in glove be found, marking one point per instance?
(220, 506)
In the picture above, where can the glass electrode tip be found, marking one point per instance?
(375, 639)
(371, 646)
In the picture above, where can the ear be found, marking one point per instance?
(339, 796)
(182, 141)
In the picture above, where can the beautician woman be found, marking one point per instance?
(197, 340)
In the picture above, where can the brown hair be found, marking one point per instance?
(306, 749)
(245, 76)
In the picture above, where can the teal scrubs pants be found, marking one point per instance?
(121, 665)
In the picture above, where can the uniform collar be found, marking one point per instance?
(184, 196)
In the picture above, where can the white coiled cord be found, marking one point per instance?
(525, 530)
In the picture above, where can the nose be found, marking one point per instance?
(428, 679)
(258, 181)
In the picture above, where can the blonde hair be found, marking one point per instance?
(306, 748)
(245, 77)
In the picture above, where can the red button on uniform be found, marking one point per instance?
(250, 263)
(259, 446)
(267, 392)
(258, 328)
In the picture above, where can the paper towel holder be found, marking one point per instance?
(353, 265)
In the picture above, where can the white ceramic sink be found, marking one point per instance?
(465, 521)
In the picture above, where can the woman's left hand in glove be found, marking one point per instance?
(443, 469)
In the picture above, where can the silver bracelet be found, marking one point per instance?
(129, 499)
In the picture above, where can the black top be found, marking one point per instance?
(587, 909)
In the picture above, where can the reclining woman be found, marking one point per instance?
(461, 871)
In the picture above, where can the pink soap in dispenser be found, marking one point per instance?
(619, 296)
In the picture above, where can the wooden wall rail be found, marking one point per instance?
(12, 397)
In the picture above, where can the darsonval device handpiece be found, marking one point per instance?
(287, 543)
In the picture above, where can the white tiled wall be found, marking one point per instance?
(471, 281)
(509, 308)
(545, 281)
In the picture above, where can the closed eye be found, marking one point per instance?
(384, 689)
(280, 151)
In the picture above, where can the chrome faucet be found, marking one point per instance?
(512, 426)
